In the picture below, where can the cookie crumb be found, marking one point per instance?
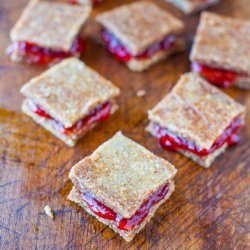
(48, 211)
(141, 93)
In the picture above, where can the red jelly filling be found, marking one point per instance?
(172, 141)
(116, 48)
(220, 77)
(98, 114)
(122, 223)
(37, 54)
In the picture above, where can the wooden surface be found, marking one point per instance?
(210, 209)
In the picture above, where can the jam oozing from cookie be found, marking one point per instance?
(115, 47)
(36, 54)
(98, 114)
(219, 77)
(122, 223)
(171, 141)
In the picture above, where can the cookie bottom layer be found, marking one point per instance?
(204, 161)
(141, 65)
(189, 7)
(243, 83)
(70, 140)
(75, 196)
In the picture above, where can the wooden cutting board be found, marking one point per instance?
(210, 209)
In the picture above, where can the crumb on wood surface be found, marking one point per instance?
(141, 93)
(48, 211)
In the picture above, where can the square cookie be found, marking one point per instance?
(192, 6)
(48, 32)
(122, 184)
(221, 50)
(69, 99)
(196, 119)
(140, 34)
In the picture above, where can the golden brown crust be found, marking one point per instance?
(75, 196)
(192, 6)
(196, 110)
(69, 90)
(121, 174)
(50, 24)
(140, 24)
(222, 42)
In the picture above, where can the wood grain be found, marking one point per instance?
(210, 209)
